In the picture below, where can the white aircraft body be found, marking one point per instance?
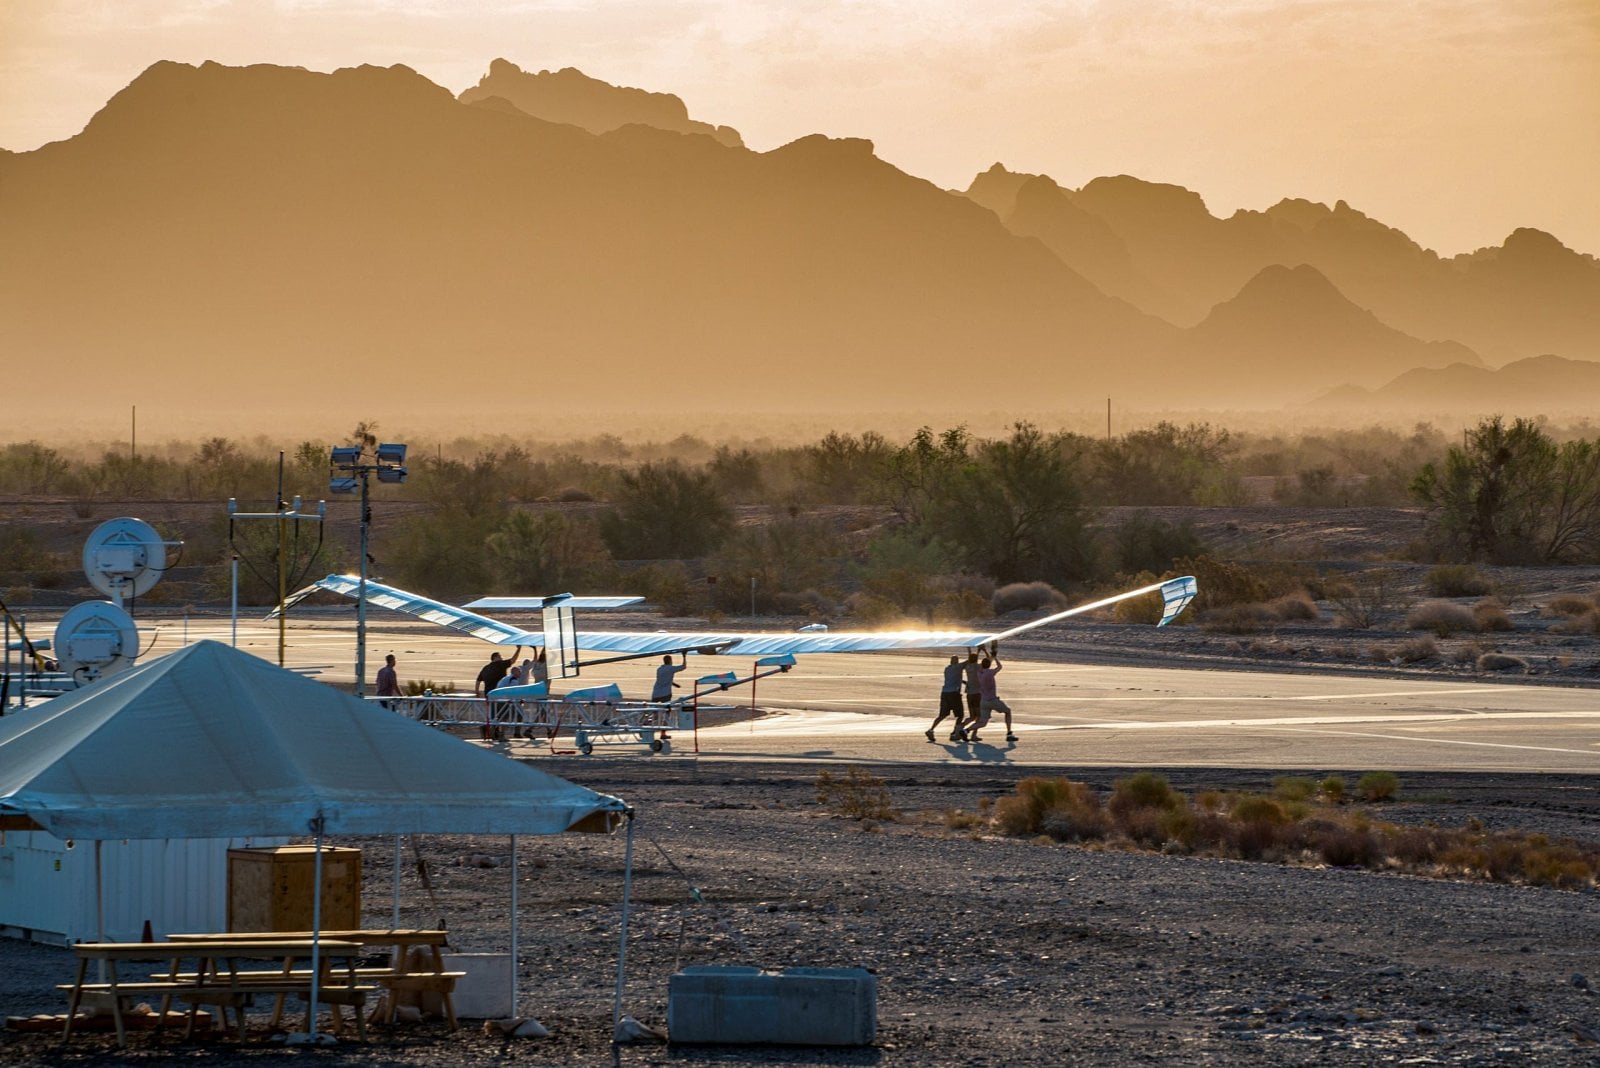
(561, 639)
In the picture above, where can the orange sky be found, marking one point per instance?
(1455, 120)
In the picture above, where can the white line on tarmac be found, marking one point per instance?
(1437, 741)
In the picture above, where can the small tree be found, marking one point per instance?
(666, 511)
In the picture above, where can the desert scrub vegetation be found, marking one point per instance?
(1456, 580)
(1303, 822)
(1443, 618)
(857, 794)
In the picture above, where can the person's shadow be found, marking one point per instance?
(982, 752)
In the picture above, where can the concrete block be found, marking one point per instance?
(793, 1007)
(484, 993)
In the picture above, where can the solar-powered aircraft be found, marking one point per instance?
(562, 641)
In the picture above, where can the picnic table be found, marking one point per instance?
(217, 979)
(399, 975)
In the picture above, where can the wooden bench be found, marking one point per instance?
(398, 976)
(216, 979)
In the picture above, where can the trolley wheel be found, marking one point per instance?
(655, 745)
(588, 748)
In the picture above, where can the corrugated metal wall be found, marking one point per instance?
(47, 890)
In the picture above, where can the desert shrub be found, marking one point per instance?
(1225, 582)
(1146, 543)
(1296, 606)
(1567, 604)
(1501, 662)
(857, 794)
(1377, 786)
(418, 687)
(1027, 597)
(1378, 651)
(1293, 787)
(1210, 800)
(1062, 808)
(959, 606)
(573, 495)
(1583, 623)
(1416, 650)
(1254, 808)
(956, 820)
(1363, 598)
(1417, 846)
(1347, 847)
(873, 611)
(1444, 618)
(1237, 619)
(1253, 839)
(1143, 790)
(1491, 615)
(1332, 788)
(1456, 580)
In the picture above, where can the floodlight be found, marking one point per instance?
(344, 485)
(233, 505)
(296, 506)
(346, 455)
(391, 453)
(391, 474)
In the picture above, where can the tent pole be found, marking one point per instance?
(622, 947)
(514, 969)
(394, 922)
(316, 929)
(100, 912)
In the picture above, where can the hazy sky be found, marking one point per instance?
(1454, 120)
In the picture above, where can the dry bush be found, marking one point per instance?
(1349, 847)
(1456, 580)
(1079, 820)
(1332, 789)
(1363, 598)
(1501, 662)
(1491, 615)
(1444, 618)
(1024, 811)
(1581, 623)
(1294, 607)
(1143, 790)
(1028, 597)
(874, 611)
(1378, 786)
(1237, 619)
(1567, 604)
(1293, 787)
(1377, 651)
(956, 820)
(959, 606)
(1416, 650)
(857, 793)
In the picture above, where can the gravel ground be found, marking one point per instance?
(988, 951)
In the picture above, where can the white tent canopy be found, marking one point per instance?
(210, 742)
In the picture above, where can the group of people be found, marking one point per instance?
(975, 676)
(501, 672)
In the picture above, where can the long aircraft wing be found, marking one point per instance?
(1176, 595)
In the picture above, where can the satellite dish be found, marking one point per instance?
(94, 639)
(124, 558)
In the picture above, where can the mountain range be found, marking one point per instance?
(544, 244)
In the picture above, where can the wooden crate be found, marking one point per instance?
(271, 889)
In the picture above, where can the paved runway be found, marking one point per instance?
(875, 708)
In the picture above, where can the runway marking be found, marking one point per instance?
(1437, 741)
(795, 721)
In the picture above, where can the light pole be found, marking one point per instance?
(389, 464)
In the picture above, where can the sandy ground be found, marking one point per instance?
(987, 951)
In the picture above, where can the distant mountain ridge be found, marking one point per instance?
(1173, 258)
(570, 96)
(544, 244)
(1545, 384)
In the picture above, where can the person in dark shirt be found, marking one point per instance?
(949, 702)
(488, 679)
(388, 680)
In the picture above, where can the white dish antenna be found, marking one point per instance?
(124, 558)
(95, 639)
